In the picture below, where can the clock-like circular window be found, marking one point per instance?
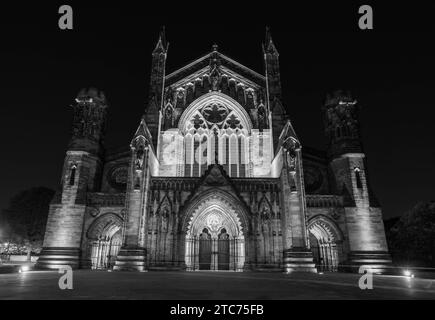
(118, 176)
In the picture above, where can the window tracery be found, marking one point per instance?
(216, 132)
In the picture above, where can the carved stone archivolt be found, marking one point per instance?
(105, 226)
(215, 209)
(324, 229)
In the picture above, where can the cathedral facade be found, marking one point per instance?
(215, 178)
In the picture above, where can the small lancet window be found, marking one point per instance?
(358, 178)
(137, 184)
(72, 175)
(293, 188)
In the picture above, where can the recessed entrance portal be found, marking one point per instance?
(325, 242)
(104, 251)
(214, 239)
(104, 241)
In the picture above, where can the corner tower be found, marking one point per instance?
(347, 162)
(341, 124)
(81, 174)
(278, 116)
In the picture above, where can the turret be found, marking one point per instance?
(80, 175)
(278, 115)
(89, 122)
(157, 82)
(271, 59)
(341, 124)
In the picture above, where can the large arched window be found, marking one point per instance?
(215, 127)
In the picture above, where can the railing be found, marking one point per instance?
(106, 199)
(314, 200)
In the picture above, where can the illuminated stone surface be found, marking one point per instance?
(215, 177)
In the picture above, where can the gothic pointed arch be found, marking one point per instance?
(323, 227)
(265, 209)
(104, 239)
(222, 218)
(106, 225)
(142, 137)
(168, 116)
(326, 243)
(165, 205)
(164, 214)
(216, 197)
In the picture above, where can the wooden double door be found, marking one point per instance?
(214, 254)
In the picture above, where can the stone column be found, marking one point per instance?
(297, 255)
(132, 256)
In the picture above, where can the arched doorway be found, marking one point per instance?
(205, 253)
(214, 238)
(105, 240)
(224, 250)
(325, 243)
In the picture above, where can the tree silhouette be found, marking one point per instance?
(26, 216)
(412, 238)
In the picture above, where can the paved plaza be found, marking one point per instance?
(210, 285)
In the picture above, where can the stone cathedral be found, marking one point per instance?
(215, 178)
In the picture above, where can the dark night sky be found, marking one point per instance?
(389, 70)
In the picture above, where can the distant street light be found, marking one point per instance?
(408, 273)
